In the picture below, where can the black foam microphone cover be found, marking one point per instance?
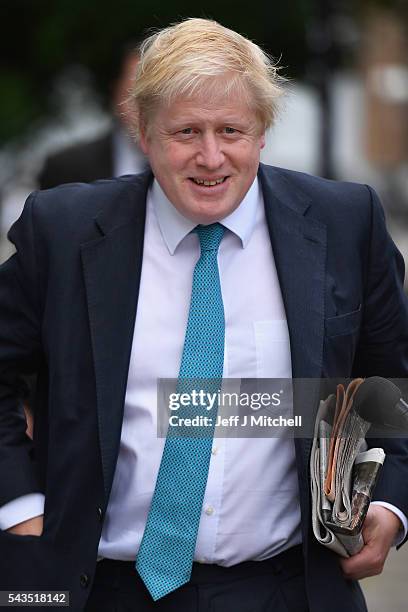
(378, 401)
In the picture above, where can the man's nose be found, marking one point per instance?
(210, 153)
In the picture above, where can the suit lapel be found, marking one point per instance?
(112, 267)
(299, 248)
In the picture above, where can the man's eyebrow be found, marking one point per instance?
(223, 120)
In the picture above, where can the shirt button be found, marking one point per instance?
(209, 510)
(214, 450)
(203, 560)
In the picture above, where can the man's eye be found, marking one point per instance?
(230, 130)
(186, 131)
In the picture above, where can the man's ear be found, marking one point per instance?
(143, 141)
(262, 141)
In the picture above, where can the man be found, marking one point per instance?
(215, 267)
(113, 153)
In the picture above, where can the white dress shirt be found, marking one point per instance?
(251, 503)
(245, 514)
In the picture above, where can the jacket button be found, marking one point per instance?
(100, 514)
(84, 580)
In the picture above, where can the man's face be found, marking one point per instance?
(204, 154)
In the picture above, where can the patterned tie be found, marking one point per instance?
(166, 552)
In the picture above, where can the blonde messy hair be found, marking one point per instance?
(199, 56)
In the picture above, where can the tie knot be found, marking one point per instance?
(210, 236)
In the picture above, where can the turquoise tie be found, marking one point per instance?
(166, 552)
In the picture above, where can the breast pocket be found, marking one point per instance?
(341, 339)
(344, 324)
(272, 349)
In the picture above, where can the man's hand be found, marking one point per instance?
(379, 532)
(33, 526)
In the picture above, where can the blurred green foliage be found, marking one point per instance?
(41, 37)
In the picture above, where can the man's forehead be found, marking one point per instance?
(200, 106)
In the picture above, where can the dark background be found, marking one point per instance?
(41, 37)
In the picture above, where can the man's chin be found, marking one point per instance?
(204, 216)
(204, 213)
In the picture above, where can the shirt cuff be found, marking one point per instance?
(401, 535)
(21, 509)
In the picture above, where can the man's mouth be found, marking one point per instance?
(208, 182)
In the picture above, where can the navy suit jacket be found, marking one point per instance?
(68, 301)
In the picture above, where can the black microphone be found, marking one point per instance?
(379, 401)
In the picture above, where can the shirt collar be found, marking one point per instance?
(175, 227)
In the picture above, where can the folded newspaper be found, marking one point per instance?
(343, 473)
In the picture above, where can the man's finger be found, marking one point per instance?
(368, 562)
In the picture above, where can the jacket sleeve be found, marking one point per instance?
(20, 354)
(383, 343)
(383, 346)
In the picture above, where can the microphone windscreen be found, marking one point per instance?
(375, 400)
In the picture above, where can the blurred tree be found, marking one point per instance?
(41, 37)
